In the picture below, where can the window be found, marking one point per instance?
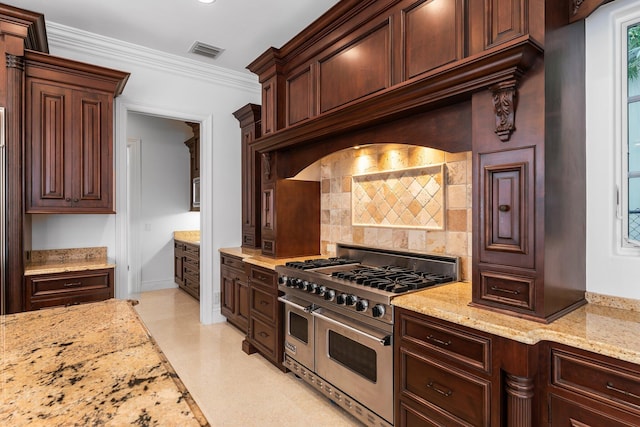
(630, 194)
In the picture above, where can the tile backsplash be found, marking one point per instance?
(363, 203)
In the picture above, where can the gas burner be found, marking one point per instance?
(392, 278)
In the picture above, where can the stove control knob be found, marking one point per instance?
(378, 310)
(362, 305)
(329, 295)
(351, 300)
(311, 288)
(302, 284)
(320, 290)
(283, 280)
(341, 299)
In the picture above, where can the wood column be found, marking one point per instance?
(14, 134)
(519, 401)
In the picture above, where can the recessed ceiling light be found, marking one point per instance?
(206, 1)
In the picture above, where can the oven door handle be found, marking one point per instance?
(385, 341)
(306, 309)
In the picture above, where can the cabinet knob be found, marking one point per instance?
(504, 208)
(68, 199)
(76, 200)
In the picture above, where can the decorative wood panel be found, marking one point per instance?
(361, 68)
(268, 107)
(91, 146)
(434, 35)
(51, 126)
(507, 207)
(299, 97)
(504, 20)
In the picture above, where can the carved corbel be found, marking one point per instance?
(504, 105)
(266, 165)
(576, 5)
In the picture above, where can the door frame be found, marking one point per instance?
(134, 255)
(206, 200)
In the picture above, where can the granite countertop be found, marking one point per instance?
(66, 260)
(188, 236)
(254, 256)
(90, 364)
(600, 326)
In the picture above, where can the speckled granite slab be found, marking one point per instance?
(91, 364)
(599, 328)
(189, 236)
(64, 260)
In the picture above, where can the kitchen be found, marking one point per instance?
(624, 290)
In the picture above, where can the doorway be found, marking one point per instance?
(125, 283)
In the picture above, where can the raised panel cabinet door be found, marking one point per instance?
(48, 168)
(507, 208)
(228, 294)
(92, 151)
(505, 20)
(242, 304)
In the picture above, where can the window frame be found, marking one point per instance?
(626, 245)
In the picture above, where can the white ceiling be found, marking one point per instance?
(243, 28)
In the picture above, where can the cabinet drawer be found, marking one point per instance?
(440, 388)
(265, 336)
(264, 277)
(67, 300)
(192, 252)
(447, 342)
(95, 280)
(232, 262)
(508, 290)
(264, 303)
(565, 413)
(597, 379)
(190, 270)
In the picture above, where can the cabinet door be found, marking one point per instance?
(92, 151)
(228, 294)
(178, 263)
(242, 301)
(48, 166)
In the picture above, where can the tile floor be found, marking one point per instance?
(231, 387)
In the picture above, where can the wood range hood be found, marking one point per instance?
(501, 78)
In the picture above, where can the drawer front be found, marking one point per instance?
(265, 336)
(596, 379)
(464, 397)
(447, 342)
(191, 270)
(95, 280)
(264, 277)
(508, 290)
(192, 252)
(565, 413)
(232, 262)
(67, 300)
(249, 240)
(264, 303)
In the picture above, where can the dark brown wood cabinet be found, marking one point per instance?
(587, 389)
(250, 125)
(266, 324)
(193, 144)
(234, 287)
(186, 266)
(68, 288)
(69, 135)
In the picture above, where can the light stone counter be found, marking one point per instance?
(254, 256)
(90, 364)
(188, 236)
(600, 326)
(66, 260)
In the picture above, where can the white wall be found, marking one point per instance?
(164, 194)
(171, 87)
(610, 270)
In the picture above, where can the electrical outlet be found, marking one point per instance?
(216, 298)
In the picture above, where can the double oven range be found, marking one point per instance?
(339, 321)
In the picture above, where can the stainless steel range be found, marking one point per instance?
(339, 321)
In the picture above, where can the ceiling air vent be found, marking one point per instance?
(207, 50)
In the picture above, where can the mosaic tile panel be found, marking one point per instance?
(400, 198)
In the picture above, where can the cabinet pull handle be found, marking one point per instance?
(439, 389)
(504, 208)
(76, 200)
(611, 387)
(263, 334)
(436, 340)
(506, 291)
(264, 303)
(72, 284)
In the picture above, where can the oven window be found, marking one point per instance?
(298, 327)
(353, 355)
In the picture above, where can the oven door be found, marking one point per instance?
(357, 359)
(299, 330)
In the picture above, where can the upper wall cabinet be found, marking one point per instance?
(69, 135)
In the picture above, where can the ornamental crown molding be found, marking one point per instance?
(96, 45)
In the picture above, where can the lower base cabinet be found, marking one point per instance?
(187, 267)
(234, 296)
(68, 288)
